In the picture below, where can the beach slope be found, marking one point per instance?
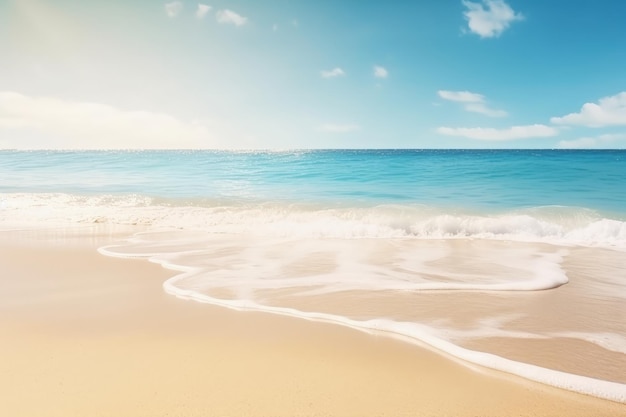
(86, 335)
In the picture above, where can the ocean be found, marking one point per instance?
(510, 259)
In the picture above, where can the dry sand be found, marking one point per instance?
(86, 335)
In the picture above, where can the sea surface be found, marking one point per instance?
(511, 259)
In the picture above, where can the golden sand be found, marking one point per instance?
(86, 335)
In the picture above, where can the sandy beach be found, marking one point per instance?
(87, 335)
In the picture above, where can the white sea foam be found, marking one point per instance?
(609, 341)
(563, 226)
(239, 262)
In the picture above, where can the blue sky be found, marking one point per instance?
(312, 74)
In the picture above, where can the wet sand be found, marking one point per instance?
(87, 335)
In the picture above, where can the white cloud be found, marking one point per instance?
(591, 142)
(380, 72)
(489, 18)
(10, 122)
(609, 111)
(338, 128)
(335, 72)
(172, 9)
(228, 16)
(461, 96)
(483, 109)
(473, 102)
(582, 143)
(202, 10)
(275, 27)
(491, 134)
(62, 124)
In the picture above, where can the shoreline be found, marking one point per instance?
(602, 389)
(533, 365)
(88, 334)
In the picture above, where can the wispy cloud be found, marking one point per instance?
(338, 128)
(601, 141)
(489, 18)
(202, 10)
(228, 16)
(380, 72)
(461, 96)
(67, 124)
(483, 109)
(172, 9)
(491, 134)
(609, 111)
(472, 102)
(335, 72)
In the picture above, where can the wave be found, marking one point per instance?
(550, 224)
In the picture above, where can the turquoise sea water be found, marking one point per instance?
(467, 179)
(478, 253)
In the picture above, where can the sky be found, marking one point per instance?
(294, 74)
